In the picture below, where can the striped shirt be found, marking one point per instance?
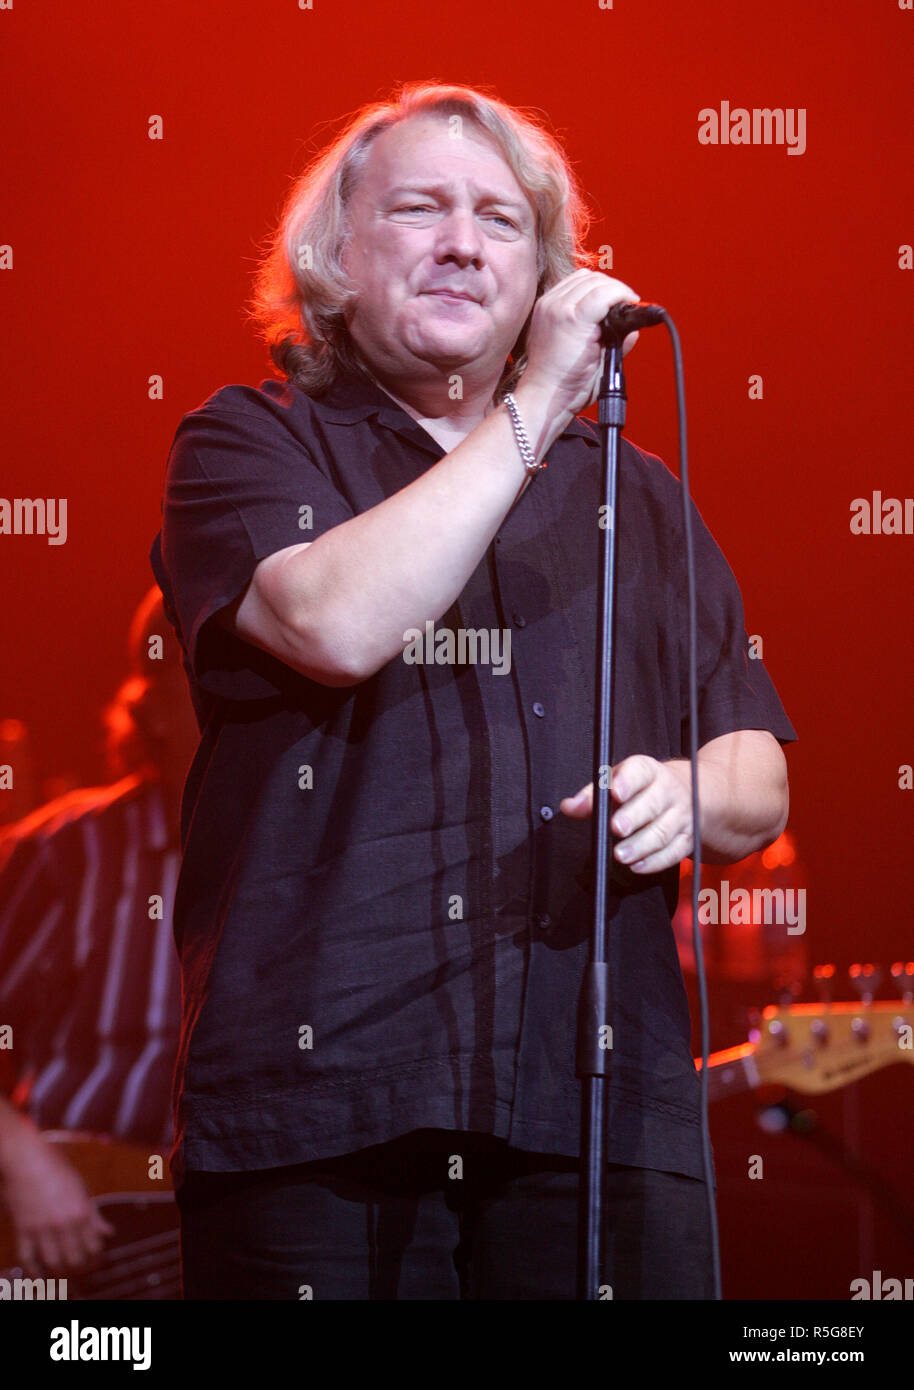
(89, 978)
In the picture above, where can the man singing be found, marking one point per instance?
(385, 896)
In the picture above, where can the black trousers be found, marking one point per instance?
(436, 1215)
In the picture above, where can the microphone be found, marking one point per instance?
(626, 318)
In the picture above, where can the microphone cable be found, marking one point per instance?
(697, 944)
(626, 317)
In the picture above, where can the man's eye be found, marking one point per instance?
(499, 217)
(416, 207)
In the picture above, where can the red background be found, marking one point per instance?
(133, 257)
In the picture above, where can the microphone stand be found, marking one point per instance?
(594, 1006)
(594, 1038)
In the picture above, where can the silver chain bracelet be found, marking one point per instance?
(520, 434)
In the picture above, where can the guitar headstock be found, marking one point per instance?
(815, 1048)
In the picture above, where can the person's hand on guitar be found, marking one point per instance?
(57, 1226)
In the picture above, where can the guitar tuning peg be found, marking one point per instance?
(822, 977)
(865, 980)
(778, 1031)
(903, 975)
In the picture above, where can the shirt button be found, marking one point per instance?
(539, 710)
(546, 812)
(520, 620)
(544, 921)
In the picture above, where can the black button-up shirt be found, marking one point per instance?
(382, 915)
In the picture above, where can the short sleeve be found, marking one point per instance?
(734, 689)
(239, 486)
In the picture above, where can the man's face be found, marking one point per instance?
(443, 250)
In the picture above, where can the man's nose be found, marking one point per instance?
(460, 239)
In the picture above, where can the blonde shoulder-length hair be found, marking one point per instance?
(300, 288)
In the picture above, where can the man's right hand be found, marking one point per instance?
(564, 341)
(58, 1228)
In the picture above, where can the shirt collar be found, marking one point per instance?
(354, 397)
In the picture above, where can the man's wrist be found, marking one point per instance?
(17, 1133)
(544, 420)
(724, 839)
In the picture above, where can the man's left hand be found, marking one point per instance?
(743, 795)
(653, 815)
